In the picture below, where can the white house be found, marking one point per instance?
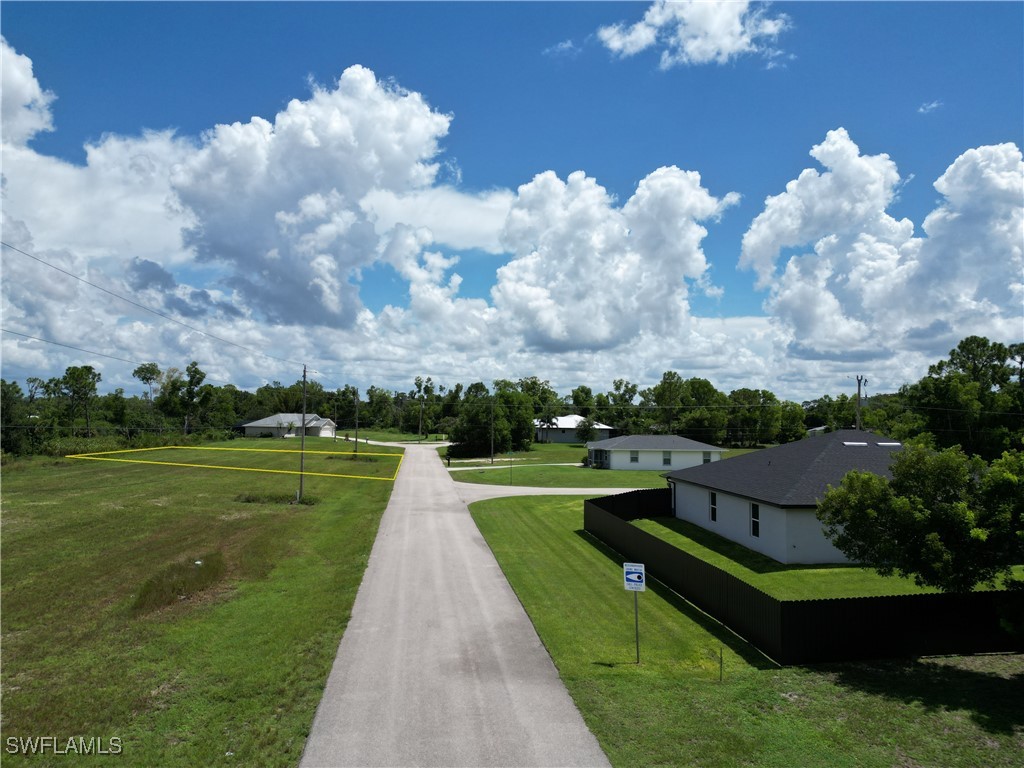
(563, 430)
(766, 500)
(289, 425)
(664, 452)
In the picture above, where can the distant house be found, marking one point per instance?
(664, 452)
(290, 425)
(766, 500)
(563, 430)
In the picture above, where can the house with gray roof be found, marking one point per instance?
(664, 452)
(766, 500)
(289, 425)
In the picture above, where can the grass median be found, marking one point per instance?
(229, 669)
(672, 710)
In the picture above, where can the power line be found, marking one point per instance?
(89, 351)
(77, 349)
(149, 309)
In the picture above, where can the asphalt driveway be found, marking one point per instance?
(440, 665)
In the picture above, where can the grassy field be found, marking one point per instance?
(521, 468)
(539, 453)
(786, 582)
(671, 710)
(387, 436)
(231, 671)
(560, 477)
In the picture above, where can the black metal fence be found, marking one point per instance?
(807, 631)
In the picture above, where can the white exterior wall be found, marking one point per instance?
(806, 538)
(276, 431)
(793, 536)
(619, 459)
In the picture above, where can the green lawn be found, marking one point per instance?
(560, 477)
(386, 436)
(671, 710)
(231, 675)
(786, 582)
(539, 453)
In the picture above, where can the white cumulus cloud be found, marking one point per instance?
(587, 274)
(698, 32)
(24, 105)
(868, 285)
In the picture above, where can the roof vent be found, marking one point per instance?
(891, 445)
(852, 443)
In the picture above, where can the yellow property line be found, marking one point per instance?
(210, 448)
(98, 457)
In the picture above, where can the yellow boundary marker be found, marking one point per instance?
(104, 456)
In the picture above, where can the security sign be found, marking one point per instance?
(635, 579)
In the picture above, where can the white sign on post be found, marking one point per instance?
(634, 577)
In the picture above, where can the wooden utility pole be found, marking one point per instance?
(302, 442)
(860, 380)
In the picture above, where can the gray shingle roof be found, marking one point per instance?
(796, 474)
(651, 443)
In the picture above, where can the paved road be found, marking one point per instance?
(439, 665)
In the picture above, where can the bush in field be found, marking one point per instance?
(69, 446)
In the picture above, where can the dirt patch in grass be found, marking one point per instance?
(179, 581)
(274, 498)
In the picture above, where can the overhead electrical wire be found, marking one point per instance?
(150, 309)
(92, 352)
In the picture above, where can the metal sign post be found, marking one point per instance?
(635, 580)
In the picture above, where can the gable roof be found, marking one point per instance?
(650, 443)
(795, 474)
(284, 419)
(567, 422)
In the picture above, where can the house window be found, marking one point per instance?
(755, 520)
(634, 457)
(666, 458)
(712, 506)
(707, 457)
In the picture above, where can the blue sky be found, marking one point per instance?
(490, 108)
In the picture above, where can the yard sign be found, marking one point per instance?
(634, 577)
(636, 582)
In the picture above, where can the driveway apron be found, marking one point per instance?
(439, 664)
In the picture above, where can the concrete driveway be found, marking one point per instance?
(440, 665)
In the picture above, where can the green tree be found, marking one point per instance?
(585, 431)
(515, 408)
(946, 520)
(79, 384)
(791, 422)
(706, 417)
(13, 430)
(582, 401)
(472, 432)
(665, 400)
(971, 399)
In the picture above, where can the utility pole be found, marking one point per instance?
(357, 423)
(302, 443)
(492, 430)
(860, 380)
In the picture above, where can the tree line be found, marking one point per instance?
(974, 399)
